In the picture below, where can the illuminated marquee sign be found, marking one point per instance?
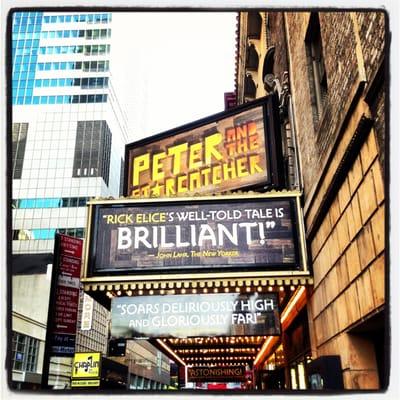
(223, 314)
(217, 374)
(231, 150)
(259, 233)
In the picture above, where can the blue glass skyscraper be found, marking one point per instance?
(68, 131)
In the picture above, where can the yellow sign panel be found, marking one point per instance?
(86, 365)
(224, 152)
(85, 383)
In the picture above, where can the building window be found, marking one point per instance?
(249, 87)
(56, 202)
(46, 233)
(92, 150)
(254, 22)
(25, 350)
(19, 132)
(251, 58)
(316, 66)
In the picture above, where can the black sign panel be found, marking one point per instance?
(217, 374)
(232, 150)
(256, 233)
(227, 314)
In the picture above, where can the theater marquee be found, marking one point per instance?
(262, 232)
(182, 316)
(231, 150)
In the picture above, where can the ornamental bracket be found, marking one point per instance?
(272, 84)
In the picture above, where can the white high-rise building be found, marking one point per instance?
(68, 129)
(68, 138)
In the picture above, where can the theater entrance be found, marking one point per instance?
(246, 354)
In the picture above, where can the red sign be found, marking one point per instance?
(70, 266)
(216, 386)
(68, 259)
(70, 246)
(67, 300)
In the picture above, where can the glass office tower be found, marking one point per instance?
(68, 130)
(68, 138)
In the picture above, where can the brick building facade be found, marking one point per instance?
(336, 70)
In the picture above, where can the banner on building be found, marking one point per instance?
(217, 374)
(68, 258)
(87, 313)
(182, 316)
(208, 234)
(239, 148)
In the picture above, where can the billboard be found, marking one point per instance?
(182, 316)
(239, 148)
(86, 370)
(86, 366)
(257, 233)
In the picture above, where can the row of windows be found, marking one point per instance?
(35, 33)
(30, 18)
(74, 33)
(54, 202)
(26, 51)
(20, 75)
(98, 82)
(83, 98)
(25, 67)
(20, 44)
(29, 28)
(87, 50)
(46, 234)
(64, 65)
(24, 71)
(27, 17)
(24, 59)
(21, 21)
(25, 352)
(25, 35)
(91, 18)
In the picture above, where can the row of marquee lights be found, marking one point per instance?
(230, 350)
(140, 292)
(208, 364)
(217, 340)
(227, 358)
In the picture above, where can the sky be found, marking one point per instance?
(171, 68)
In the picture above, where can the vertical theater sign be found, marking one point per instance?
(182, 256)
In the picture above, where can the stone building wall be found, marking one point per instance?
(344, 188)
(342, 163)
